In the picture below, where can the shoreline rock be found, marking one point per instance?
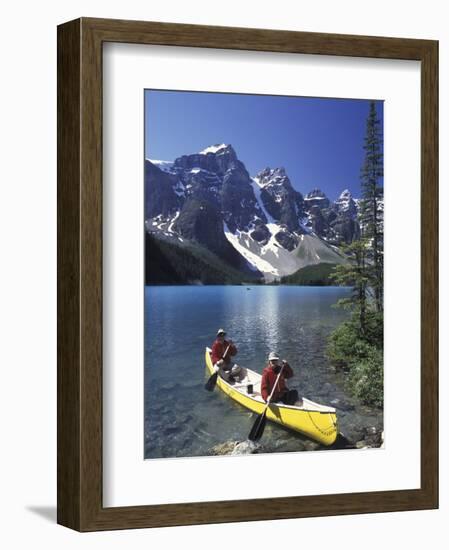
(235, 448)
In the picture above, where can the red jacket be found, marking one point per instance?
(269, 378)
(218, 350)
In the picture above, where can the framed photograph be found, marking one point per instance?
(247, 274)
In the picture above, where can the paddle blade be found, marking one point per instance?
(258, 427)
(210, 384)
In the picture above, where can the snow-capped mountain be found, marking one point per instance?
(335, 222)
(258, 225)
(345, 203)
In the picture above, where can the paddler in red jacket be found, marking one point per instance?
(222, 353)
(269, 376)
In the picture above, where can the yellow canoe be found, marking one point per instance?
(311, 419)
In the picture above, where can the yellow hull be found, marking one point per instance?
(320, 425)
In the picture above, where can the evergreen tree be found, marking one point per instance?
(371, 214)
(357, 344)
(355, 273)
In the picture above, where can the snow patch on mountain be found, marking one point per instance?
(272, 245)
(274, 261)
(213, 149)
(257, 186)
(251, 257)
(164, 165)
(176, 216)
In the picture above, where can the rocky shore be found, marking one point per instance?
(372, 438)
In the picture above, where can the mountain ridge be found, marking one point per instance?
(259, 225)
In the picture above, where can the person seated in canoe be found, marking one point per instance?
(269, 376)
(222, 353)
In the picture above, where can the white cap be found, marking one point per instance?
(221, 331)
(273, 356)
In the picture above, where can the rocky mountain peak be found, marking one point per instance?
(217, 159)
(315, 194)
(345, 203)
(345, 194)
(275, 176)
(282, 202)
(316, 197)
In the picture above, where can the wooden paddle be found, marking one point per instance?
(259, 425)
(210, 384)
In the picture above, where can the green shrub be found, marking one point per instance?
(374, 329)
(361, 355)
(345, 345)
(366, 378)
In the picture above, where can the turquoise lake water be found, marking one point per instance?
(183, 419)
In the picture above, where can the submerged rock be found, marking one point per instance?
(342, 442)
(372, 443)
(291, 445)
(353, 432)
(245, 448)
(372, 430)
(373, 438)
(235, 448)
(342, 405)
(311, 445)
(225, 448)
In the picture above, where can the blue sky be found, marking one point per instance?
(318, 141)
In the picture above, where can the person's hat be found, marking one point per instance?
(221, 332)
(273, 356)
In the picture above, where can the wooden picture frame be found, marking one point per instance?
(80, 351)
